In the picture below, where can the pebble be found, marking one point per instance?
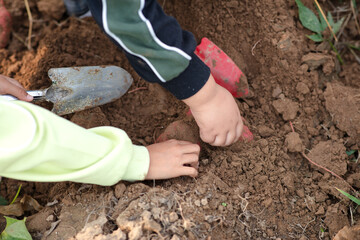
(320, 211)
(173, 217)
(204, 202)
(276, 92)
(302, 88)
(175, 237)
(265, 131)
(197, 203)
(50, 218)
(119, 190)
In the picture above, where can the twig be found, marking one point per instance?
(292, 127)
(30, 23)
(324, 16)
(355, 16)
(351, 217)
(343, 26)
(19, 38)
(357, 58)
(136, 89)
(252, 49)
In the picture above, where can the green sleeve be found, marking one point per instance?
(36, 145)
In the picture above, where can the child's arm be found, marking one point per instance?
(37, 145)
(161, 52)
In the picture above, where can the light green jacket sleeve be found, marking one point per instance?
(36, 145)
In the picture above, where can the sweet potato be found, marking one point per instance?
(185, 129)
(5, 25)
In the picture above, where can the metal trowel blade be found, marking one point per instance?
(78, 88)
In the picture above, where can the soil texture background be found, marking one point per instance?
(301, 102)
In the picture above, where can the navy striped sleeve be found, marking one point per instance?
(156, 46)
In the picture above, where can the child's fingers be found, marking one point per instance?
(13, 81)
(230, 137)
(190, 159)
(16, 91)
(188, 171)
(219, 140)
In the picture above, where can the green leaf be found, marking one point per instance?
(351, 152)
(15, 230)
(336, 27)
(354, 47)
(316, 37)
(330, 19)
(351, 197)
(308, 19)
(322, 20)
(3, 201)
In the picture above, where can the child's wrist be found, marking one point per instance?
(204, 95)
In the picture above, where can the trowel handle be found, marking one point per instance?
(37, 94)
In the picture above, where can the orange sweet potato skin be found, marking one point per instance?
(5, 25)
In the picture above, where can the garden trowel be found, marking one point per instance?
(78, 88)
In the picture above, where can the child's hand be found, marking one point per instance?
(14, 88)
(216, 114)
(172, 159)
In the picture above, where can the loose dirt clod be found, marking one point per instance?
(343, 103)
(331, 155)
(293, 142)
(287, 108)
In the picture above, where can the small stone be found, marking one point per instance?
(146, 215)
(300, 192)
(197, 203)
(119, 190)
(276, 92)
(135, 233)
(285, 43)
(204, 201)
(175, 237)
(173, 217)
(263, 143)
(265, 131)
(320, 211)
(302, 88)
(314, 60)
(156, 212)
(205, 161)
(304, 68)
(50, 218)
(268, 202)
(152, 226)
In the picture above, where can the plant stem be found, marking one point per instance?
(30, 23)
(337, 53)
(17, 194)
(322, 13)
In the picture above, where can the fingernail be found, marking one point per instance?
(29, 97)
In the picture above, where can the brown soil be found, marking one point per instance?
(264, 189)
